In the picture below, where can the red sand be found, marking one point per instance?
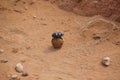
(25, 35)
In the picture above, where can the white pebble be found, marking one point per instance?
(19, 67)
(106, 61)
(1, 50)
(14, 76)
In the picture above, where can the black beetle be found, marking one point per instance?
(57, 35)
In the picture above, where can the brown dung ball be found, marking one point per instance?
(57, 42)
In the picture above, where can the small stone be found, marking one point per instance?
(44, 24)
(106, 61)
(18, 11)
(19, 67)
(96, 37)
(4, 60)
(24, 74)
(117, 43)
(1, 51)
(14, 77)
(34, 17)
(32, 3)
(26, 8)
(23, 61)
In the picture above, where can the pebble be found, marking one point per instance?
(34, 17)
(26, 8)
(1, 51)
(23, 61)
(106, 61)
(18, 11)
(19, 67)
(117, 43)
(24, 74)
(4, 60)
(96, 37)
(14, 77)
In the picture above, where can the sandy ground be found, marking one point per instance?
(25, 36)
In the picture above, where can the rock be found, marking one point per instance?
(26, 8)
(4, 60)
(14, 77)
(106, 61)
(18, 11)
(1, 51)
(33, 2)
(19, 67)
(44, 24)
(24, 74)
(96, 37)
(34, 17)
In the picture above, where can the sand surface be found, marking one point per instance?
(25, 35)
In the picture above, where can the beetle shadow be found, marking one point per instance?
(51, 49)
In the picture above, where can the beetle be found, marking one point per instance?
(57, 40)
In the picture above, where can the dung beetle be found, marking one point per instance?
(57, 40)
